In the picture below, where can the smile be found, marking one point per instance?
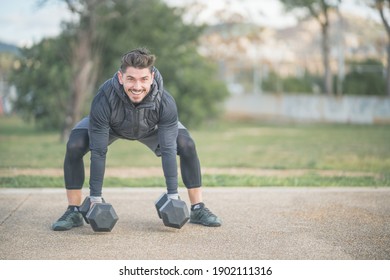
(137, 92)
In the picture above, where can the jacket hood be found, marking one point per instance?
(157, 86)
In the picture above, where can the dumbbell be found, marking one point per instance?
(173, 212)
(102, 216)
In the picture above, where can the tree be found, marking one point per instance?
(70, 61)
(8, 54)
(318, 9)
(118, 26)
(363, 79)
(383, 7)
(84, 60)
(190, 78)
(41, 76)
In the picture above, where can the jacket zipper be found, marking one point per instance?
(136, 116)
(136, 123)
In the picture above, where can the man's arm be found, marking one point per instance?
(167, 135)
(98, 142)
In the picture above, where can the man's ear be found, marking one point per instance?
(120, 77)
(152, 78)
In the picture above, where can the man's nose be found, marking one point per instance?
(137, 85)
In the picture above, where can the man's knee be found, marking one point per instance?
(78, 144)
(185, 145)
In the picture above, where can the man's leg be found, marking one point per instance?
(192, 178)
(74, 197)
(74, 171)
(195, 195)
(191, 175)
(74, 175)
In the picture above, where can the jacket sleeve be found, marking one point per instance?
(167, 135)
(98, 141)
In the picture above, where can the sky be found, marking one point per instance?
(23, 22)
(265, 12)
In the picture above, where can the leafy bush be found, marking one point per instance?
(365, 78)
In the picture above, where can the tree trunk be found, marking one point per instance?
(340, 53)
(388, 71)
(380, 5)
(325, 56)
(84, 76)
(84, 67)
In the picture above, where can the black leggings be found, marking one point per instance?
(78, 146)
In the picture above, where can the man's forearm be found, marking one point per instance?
(169, 166)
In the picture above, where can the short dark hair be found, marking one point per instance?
(138, 58)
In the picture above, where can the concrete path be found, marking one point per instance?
(258, 223)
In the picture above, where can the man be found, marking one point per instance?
(132, 105)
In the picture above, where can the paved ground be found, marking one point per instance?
(259, 223)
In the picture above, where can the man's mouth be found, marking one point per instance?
(137, 92)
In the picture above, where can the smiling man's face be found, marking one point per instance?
(136, 82)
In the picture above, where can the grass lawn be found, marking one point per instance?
(314, 147)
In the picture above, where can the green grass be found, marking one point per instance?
(23, 147)
(324, 147)
(359, 148)
(22, 181)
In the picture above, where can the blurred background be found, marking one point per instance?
(303, 60)
(276, 93)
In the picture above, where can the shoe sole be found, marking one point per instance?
(60, 228)
(205, 224)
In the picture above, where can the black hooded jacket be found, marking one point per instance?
(112, 113)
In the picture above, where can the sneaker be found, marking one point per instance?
(69, 220)
(204, 216)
